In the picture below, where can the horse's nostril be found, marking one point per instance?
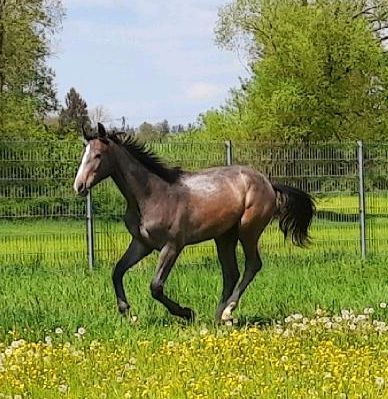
(80, 187)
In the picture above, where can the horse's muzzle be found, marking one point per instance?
(81, 189)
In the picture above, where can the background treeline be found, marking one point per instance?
(318, 70)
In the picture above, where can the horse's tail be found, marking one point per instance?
(295, 210)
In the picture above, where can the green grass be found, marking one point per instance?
(35, 299)
(160, 356)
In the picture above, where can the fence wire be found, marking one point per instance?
(42, 219)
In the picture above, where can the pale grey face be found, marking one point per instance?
(94, 166)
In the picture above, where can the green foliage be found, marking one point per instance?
(147, 132)
(74, 116)
(318, 73)
(26, 83)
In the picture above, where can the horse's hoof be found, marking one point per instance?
(188, 314)
(227, 313)
(123, 308)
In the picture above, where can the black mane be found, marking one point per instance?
(147, 158)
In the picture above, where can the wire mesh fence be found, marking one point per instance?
(42, 219)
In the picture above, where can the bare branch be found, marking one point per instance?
(381, 27)
(366, 11)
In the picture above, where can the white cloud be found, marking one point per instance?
(201, 91)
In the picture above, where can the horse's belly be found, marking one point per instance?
(211, 222)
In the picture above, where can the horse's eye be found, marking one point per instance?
(98, 156)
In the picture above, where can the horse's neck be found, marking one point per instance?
(134, 180)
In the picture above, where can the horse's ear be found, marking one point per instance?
(101, 130)
(85, 135)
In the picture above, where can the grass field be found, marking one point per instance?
(61, 336)
(311, 325)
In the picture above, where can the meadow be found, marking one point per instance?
(311, 325)
(306, 328)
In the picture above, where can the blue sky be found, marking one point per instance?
(147, 60)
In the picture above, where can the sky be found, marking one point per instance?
(147, 60)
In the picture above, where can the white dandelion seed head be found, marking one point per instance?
(8, 351)
(319, 312)
(18, 343)
(352, 326)
(379, 381)
(203, 331)
(287, 333)
(81, 331)
(63, 388)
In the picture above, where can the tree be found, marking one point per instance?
(99, 114)
(146, 131)
(75, 115)
(163, 127)
(318, 71)
(177, 128)
(27, 92)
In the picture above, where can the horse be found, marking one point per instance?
(169, 208)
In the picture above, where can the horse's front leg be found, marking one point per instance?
(135, 252)
(167, 258)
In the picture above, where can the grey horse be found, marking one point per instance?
(168, 208)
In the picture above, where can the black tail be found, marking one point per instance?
(295, 210)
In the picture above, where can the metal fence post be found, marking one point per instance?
(361, 189)
(90, 229)
(229, 152)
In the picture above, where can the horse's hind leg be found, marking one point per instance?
(252, 266)
(167, 258)
(226, 250)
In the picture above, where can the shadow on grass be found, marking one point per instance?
(255, 320)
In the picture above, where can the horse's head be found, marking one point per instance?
(95, 165)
